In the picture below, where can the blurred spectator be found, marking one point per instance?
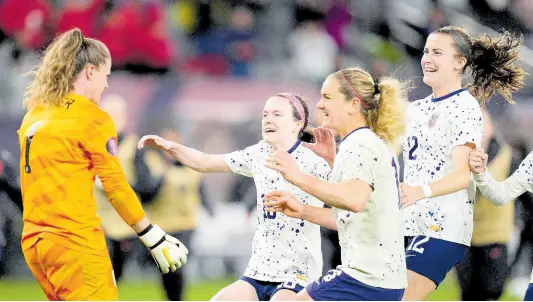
(136, 33)
(313, 52)
(26, 21)
(483, 271)
(337, 19)
(9, 186)
(384, 50)
(437, 18)
(173, 204)
(83, 14)
(240, 48)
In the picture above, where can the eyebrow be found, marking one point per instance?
(433, 48)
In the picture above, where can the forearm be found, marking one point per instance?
(198, 160)
(141, 225)
(332, 194)
(330, 161)
(498, 192)
(456, 181)
(190, 157)
(127, 205)
(321, 216)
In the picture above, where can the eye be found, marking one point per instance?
(277, 114)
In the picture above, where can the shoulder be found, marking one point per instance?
(309, 156)
(364, 139)
(418, 104)
(465, 100)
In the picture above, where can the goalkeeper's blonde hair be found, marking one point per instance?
(62, 61)
(384, 105)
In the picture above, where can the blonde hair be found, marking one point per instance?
(63, 60)
(384, 102)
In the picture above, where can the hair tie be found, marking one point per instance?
(376, 89)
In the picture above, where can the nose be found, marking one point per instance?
(320, 104)
(425, 59)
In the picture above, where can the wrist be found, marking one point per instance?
(299, 180)
(426, 191)
(152, 236)
(482, 172)
(305, 212)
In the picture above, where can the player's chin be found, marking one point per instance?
(270, 138)
(326, 122)
(429, 79)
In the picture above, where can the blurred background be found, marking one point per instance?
(199, 72)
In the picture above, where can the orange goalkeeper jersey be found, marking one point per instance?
(63, 149)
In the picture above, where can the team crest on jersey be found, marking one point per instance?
(111, 146)
(433, 120)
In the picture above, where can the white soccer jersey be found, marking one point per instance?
(372, 240)
(434, 128)
(501, 192)
(284, 248)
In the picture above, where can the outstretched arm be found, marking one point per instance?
(196, 160)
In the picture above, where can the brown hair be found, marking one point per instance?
(492, 62)
(305, 134)
(63, 60)
(383, 103)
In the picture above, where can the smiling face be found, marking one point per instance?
(441, 63)
(334, 106)
(279, 124)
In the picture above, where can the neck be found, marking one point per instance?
(284, 145)
(446, 87)
(83, 92)
(352, 126)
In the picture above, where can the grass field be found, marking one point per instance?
(132, 291)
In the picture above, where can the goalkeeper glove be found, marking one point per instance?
(168, 252)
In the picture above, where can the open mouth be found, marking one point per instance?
(428, 70)
(270, 130)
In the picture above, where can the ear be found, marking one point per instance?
(299, 125)
(460, 63)
(355, 106)
(89, 71)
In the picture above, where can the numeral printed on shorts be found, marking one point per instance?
(415, 244)
(332, 275)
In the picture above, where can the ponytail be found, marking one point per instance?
(387, 120)
(63, 60)
(493, 67)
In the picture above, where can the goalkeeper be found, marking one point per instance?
(66, 140)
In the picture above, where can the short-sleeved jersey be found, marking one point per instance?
(283, 248)
(63, 148)
(371, 240)
(434, 128)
